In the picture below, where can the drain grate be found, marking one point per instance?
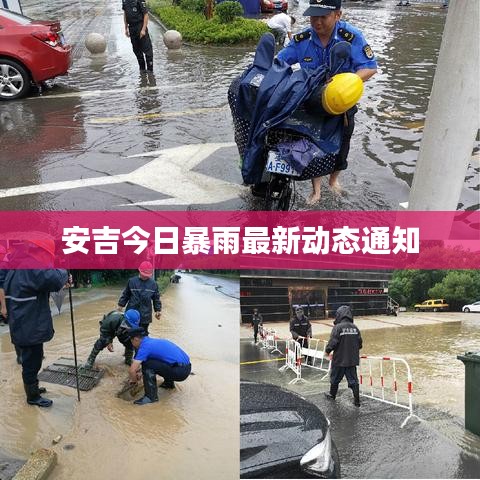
(62, 372)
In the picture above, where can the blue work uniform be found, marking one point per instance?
(307, 50)
(161, 349)
(162, 357)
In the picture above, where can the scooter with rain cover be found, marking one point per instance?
(282, 132)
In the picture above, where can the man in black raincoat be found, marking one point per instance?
(141, 293)
(27, 291)
(345, 342)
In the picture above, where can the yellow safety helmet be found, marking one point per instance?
(342, 93)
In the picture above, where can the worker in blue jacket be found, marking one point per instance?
(27, 291)
(156, 356)
(311, 49)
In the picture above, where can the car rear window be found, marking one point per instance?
(16, 17)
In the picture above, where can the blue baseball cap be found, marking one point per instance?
(133, 318)
(320, 8)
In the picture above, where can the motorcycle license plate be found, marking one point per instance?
(62, 38)
(275, 164)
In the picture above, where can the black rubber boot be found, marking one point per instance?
(128, 356)
(91, 358)
(33, 396)
(356, 395)
(150, 386)
(333, 392)
(168, 384)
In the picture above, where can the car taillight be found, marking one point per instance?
(51, 38)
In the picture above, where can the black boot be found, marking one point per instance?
(91, 358)
(33, 396)
(168, 384)
(150, 386)
(356, 395)
(333, 392)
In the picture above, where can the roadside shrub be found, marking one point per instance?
(195, 28)
(196, 6)
(227, 11)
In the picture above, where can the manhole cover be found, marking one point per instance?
(63, 372)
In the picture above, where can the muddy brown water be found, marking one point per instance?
(438, 377)
(192, 432)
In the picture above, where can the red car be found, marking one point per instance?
(268, 6)
(31, 51)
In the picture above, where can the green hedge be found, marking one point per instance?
(195, 28)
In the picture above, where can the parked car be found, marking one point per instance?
(269, 6)
(31, 51)
(282, 435)
(473, 307)
(437, 305)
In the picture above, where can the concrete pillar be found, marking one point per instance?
(453, 113)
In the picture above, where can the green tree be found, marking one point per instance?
(412, 286)
(458, 287)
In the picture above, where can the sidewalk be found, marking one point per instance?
(322, 328)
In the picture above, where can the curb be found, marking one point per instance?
(38, 466)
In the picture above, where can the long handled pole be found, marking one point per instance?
(73, 339)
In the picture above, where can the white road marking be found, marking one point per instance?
(168, 173)
(98, 93)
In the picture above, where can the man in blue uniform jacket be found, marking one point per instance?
(157, 356)
(311, 49)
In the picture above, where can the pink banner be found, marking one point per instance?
(241, 240)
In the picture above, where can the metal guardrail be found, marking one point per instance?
(293, 361)
(314, 351)
(397, 401)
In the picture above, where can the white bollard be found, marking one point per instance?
(172, 39)
(95, 43)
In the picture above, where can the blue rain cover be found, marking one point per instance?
(269, 92)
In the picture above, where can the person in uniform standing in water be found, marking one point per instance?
(135, 17)
(27, 291)
(301, 329)
(115, 324)
(140, 293)
(257, 320)
(311, 49)
(345, 343)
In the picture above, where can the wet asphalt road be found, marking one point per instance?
(369, 439)
(82, 145)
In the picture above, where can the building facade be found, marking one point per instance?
(320, 292)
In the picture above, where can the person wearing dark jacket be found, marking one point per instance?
(257, 320)
(140, 293)
(27, 294)
(301, 329)
(135, 18)
(115, 324)
(345, 342)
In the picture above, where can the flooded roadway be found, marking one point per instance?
(370, 442)
(93, 121)
(190, 432)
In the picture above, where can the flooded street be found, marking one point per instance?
(191, 431)
(370, 441)
(82, 138)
